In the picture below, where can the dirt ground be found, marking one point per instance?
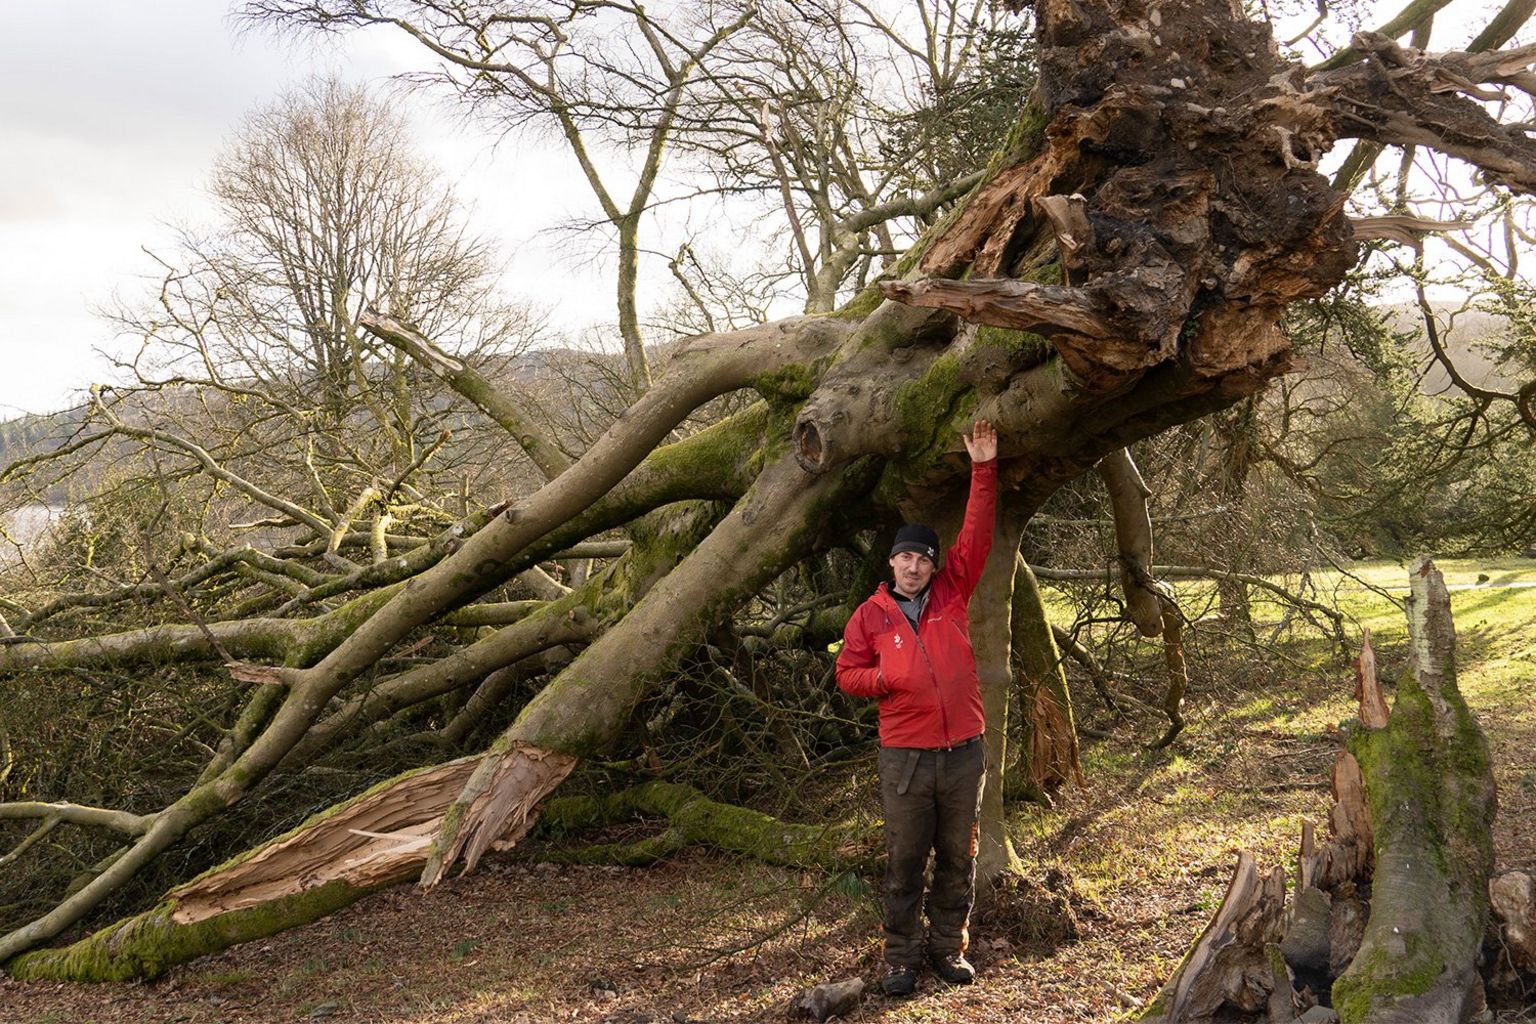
(535, 943)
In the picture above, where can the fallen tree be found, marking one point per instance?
(1121, 267)
(1389, 915)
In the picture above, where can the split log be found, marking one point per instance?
(1230, 966)
(261, 892)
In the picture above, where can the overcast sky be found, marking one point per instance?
(111, 112)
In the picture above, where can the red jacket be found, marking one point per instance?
(926, 683)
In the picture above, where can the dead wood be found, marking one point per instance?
(1229, 967)
(504, 409)
(1151, 216)
(1388, 917)
(1431, 796)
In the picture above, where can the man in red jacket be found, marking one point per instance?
(909, 646)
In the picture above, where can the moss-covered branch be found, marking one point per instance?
(693, 819)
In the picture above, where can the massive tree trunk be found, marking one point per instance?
(1122, 267)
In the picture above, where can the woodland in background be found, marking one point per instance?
(359, 562)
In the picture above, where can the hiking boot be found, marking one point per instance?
(954, 968)
(899, 982)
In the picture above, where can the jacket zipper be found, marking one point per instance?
(943, 711)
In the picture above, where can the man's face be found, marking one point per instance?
(912, 572)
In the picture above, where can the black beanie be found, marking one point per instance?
(919, 538)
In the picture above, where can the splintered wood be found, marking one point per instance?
(381, 837)
(500, 799)
(1229, 965)
(1373, 706)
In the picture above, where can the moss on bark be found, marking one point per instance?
(148, 945)
(696, 820)
(1431, 795)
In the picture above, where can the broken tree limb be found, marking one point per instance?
(577, 714)
(1407, 97)
(1229, 967)
(264, 891)
(1373, 706)
(1128, 495)
(695, 820)
(1389, 914)
(502, 408)
(1432, 800)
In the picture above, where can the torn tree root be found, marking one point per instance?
(1389, 915)
(693, 819)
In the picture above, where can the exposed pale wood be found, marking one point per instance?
(1399, 228)
(1373, 706)
(366, 842)
(1003, 302)
(1229, 970)
(1512, 896)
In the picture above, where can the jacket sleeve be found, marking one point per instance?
(966, 559)
(858, 667)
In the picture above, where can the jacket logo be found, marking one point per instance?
(896, 640)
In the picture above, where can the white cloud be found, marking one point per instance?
(111, 114)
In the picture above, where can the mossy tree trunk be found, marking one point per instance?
(1390, 915)
(1432, 800)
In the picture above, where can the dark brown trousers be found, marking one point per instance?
(932, 799)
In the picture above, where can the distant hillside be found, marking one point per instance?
(33, 433)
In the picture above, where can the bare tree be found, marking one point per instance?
(593, 73)
(251, 360)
